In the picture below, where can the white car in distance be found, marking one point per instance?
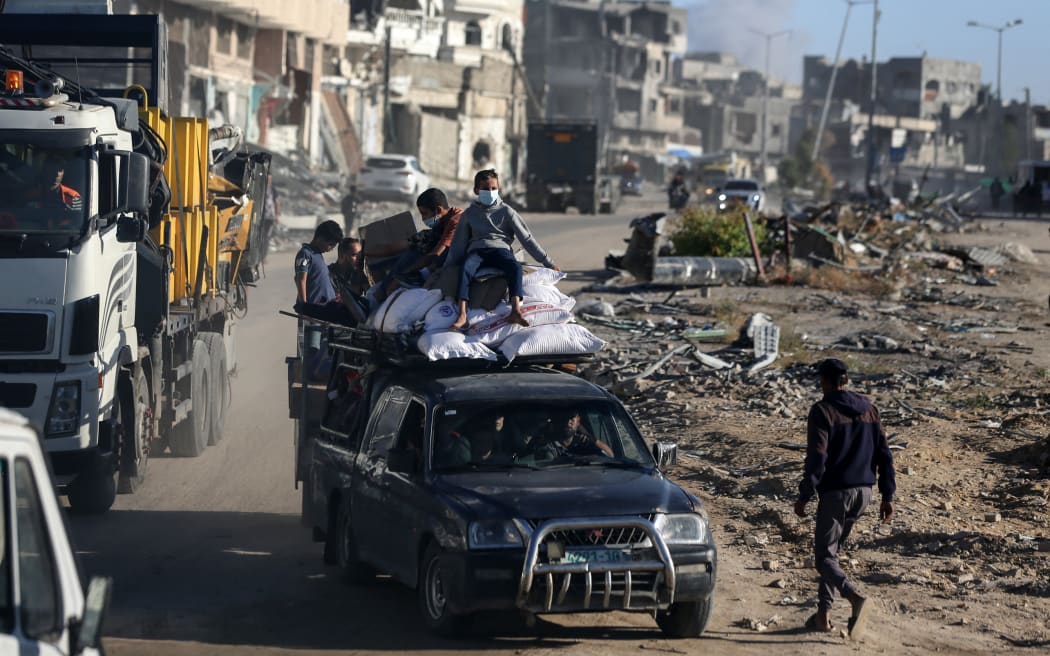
(47, 611)
(392, 178)
(742, 191)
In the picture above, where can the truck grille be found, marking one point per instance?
(597, 537)
(24, 332)
(17, 395)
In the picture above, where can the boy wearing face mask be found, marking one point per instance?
(484, 236)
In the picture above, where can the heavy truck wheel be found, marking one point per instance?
(94, 493)
(191, 437)
(220, 385)
(134, 432)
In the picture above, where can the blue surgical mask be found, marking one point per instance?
(431, 222)
(488, 197)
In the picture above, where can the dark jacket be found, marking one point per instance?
(847, 446)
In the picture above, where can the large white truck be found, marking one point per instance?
(47, 610)
(125, 248)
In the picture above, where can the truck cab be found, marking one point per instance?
(43, 608)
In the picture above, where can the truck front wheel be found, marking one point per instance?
(134, 430)
(685, 619)
(433, 595)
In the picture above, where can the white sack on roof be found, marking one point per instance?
(494, 330)
(400, 312)
(452, 346)
(566, 339)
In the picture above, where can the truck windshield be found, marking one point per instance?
(535, 435)
(42, 188)
(741, 185)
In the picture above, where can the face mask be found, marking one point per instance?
(431, 222)
(488, 196)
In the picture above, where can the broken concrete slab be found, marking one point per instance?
(703, 271)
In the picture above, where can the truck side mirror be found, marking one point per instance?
(88, 634)
(131, 229)
(665, 453)
(135, 191)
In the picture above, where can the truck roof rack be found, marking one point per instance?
(399, 351)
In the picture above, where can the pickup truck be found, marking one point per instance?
(518, 488)
(44, 609)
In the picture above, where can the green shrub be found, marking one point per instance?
(702, 231)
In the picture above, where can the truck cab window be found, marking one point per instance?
(39, 605)
(413, 430)
(387, 424)
(7, 611)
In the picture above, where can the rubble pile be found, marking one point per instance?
(965, 405)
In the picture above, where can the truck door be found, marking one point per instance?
(405, 498)
(32, 618)
(369, 517)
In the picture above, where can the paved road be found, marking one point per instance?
(211, 552)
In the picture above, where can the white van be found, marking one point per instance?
(43, 608)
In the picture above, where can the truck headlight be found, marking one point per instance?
(755, 198)
(493, 534)
(63, 415)
(722, 196)
(681, 529)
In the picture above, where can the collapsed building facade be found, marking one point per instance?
(918, 99)
(610, 62)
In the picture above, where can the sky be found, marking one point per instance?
(908, 28)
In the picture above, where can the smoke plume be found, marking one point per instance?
(725, 26)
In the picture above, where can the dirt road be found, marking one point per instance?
(210, 558)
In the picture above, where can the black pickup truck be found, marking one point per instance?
(508, 488)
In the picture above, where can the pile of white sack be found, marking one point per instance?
(551, 331)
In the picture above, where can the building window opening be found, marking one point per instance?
(472, 34)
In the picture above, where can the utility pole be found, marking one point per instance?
(388, 118)
(834, 75)
(1028, 124)
(764, 156)
(998, 84)
(869, 169)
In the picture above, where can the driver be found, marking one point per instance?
(569, 438)
(52, 193)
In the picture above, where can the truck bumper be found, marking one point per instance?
(69, 465)
(35, 391)
(490, 580)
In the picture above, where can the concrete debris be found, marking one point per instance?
(1017, 253)
(597, 308)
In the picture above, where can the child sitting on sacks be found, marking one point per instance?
(483, 238)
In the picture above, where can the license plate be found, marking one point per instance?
(596, 556)
(384, 183)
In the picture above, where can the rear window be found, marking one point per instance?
(384, 163)
(741, 185)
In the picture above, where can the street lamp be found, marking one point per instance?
(998, 79)
(768, 36)
(834, 74)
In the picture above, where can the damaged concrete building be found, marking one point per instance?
(457, 100)
(918, 99)
(611, 62)
(723, 100)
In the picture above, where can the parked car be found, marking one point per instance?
(741, 191)
(520, 488)
(392, 177)
(632, 184)
(46, 610)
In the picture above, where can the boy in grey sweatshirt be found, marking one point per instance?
(483, 237)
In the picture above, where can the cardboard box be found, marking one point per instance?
(391, 231)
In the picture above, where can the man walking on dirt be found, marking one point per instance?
(846, 448)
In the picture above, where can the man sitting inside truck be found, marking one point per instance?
(568, 437)
(58, 206)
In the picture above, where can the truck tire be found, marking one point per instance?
(433, 603)
(134, 434)
(191, 437)
(93, 493)
(685, 619)
(220, 384)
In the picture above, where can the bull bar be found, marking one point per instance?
(533, 569)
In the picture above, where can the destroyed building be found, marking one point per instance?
(918, 98)
(723, 100)
(611, 62)
(457, 99)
